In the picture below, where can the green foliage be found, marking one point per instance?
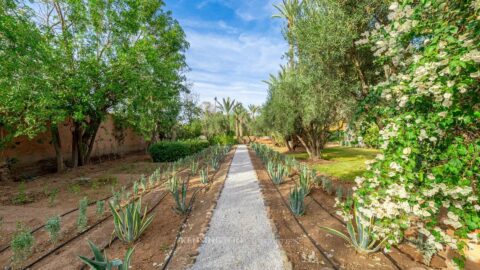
(129, 221)
(360, 234)
(82, 218)
(215, 163)
(101, 262)
(372, 136)
(22, 244)
(100, 208)
(74, 188)
(297, 200)
(306, 180)
(169, 151)
(223, 139)
(53, 226)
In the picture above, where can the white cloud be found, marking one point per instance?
(232, 65)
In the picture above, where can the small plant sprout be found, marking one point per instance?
(297, 200)
(21, 197)
(22, 244)
(193, 168)
(129, 221)
(204, 176)
(151, 181)
(100, 208)
(82, 218)
(52, 226)
(360, 234)
(101, 262)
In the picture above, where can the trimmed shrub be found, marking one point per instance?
(170, 151)
(223, 140)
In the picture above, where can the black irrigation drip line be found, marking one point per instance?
(115, 238)
(72, 211)
(317, 246)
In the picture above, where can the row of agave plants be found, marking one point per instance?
(359, 228)
(130, 221)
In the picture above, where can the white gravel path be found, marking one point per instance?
(240, 235)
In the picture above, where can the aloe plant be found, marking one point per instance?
(101, 262)
(215, 163)
(129, 221)
(360, 234)
(297, 200)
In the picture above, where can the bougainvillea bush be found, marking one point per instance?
(427, 177)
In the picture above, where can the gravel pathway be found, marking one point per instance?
(240, 235)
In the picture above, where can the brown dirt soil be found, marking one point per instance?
(157, 243)
(93, 181)
(342, 255)
(152, 247)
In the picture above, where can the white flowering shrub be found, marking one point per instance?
(428, 175)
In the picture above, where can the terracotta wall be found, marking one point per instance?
(109, 140)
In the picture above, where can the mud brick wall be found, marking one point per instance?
(39, 152)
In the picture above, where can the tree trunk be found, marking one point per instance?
(88, 140)
(75, 145)
(287, 143)
(57, 144)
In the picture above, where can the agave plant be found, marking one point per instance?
(277, 172)
(129, 221)
(297, 200)
(204, 176)
(305, 180)
(101, 262)
(179, 194)
(360, 236)
(193, 168)
(215, 163)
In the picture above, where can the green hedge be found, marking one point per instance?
(169, 151)
(223, 140)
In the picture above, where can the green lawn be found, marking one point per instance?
(344, 162)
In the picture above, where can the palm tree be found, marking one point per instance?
(253, 110)
(289, 10)
(227, 106)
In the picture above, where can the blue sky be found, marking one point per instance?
(234, 45)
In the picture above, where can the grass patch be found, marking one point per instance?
(346, 163)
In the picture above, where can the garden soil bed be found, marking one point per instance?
(162, 231)
(294, 240)
(92, 181)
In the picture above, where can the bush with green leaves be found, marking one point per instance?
(129, 221)
(53, 226)
(82, 218)
(101, 262)
(223, 139)
(22, 196)
(360, 235)
(170, 151)
(297, 200)
(22, 244)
